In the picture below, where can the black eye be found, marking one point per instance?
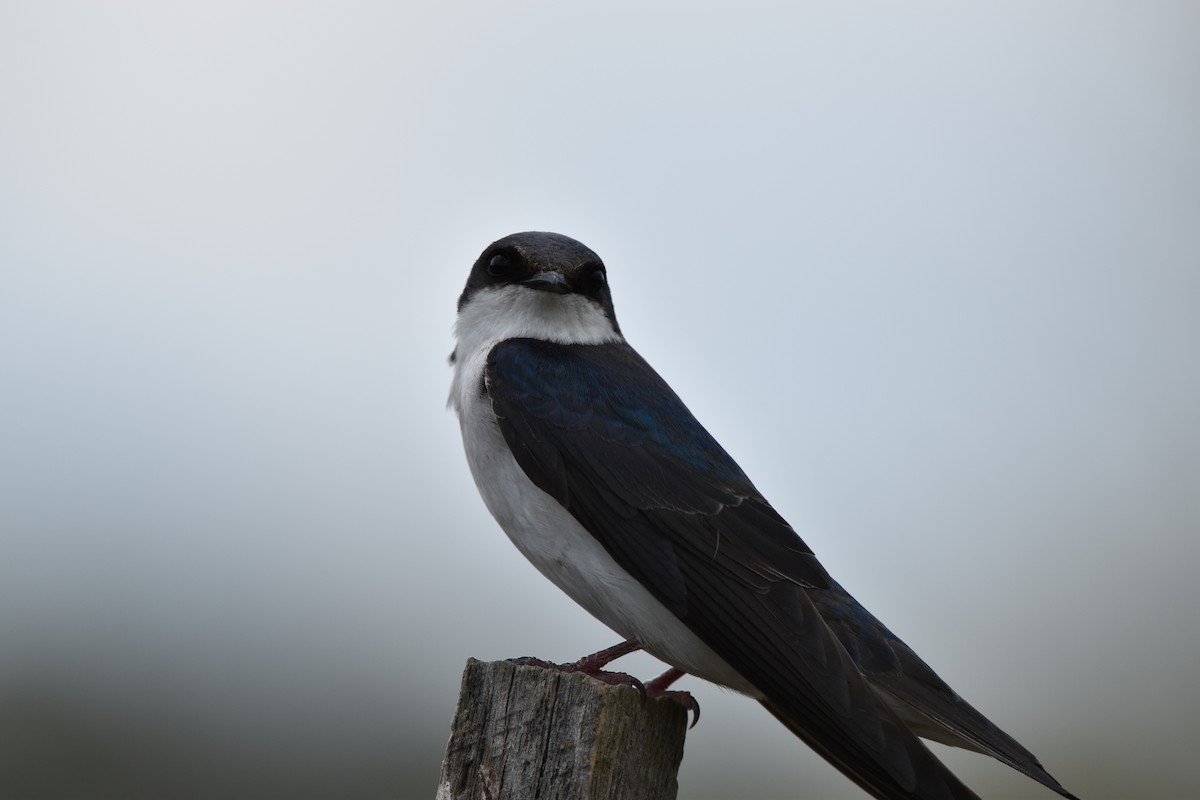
(598, 280)
(499, 266)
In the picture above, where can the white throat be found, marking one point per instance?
(493, 315)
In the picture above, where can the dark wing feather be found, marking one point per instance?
(595, 427)
(891, 665)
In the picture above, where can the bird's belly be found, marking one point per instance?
(577, 563)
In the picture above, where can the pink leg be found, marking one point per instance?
(594, 664)
(596, 661)
(658, 688)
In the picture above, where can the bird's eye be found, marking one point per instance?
(599, 279)
(499, 266)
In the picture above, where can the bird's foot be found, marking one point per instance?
(592, 665)
(658, 688)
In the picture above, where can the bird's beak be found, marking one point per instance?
(549, 281)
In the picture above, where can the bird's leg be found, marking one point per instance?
(658, 688)
(596, 661)
(594, 664)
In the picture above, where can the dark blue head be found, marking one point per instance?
(542, 261)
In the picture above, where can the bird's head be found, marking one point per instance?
(536, 285)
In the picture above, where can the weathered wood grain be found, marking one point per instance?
(529, 733)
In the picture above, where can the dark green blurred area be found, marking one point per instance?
(53, 749)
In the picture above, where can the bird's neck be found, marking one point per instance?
(517, 312)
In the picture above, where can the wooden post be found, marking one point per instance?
(528, 733)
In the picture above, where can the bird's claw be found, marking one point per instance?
(617, 679)
(658, 688)
(685, 699)
(587, 667)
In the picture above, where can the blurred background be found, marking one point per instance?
(930, 272)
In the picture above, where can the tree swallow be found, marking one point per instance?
(604, 480)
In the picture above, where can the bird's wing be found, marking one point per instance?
(940, 713)
(597, 429)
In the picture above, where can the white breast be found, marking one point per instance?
(543, 530)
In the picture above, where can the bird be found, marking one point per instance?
(606, 482)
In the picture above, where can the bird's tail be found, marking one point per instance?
(929, 780)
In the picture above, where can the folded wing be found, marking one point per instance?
(596, 428)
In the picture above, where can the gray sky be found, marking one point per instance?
(931, 274)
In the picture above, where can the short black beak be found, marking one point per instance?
(548, 281)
